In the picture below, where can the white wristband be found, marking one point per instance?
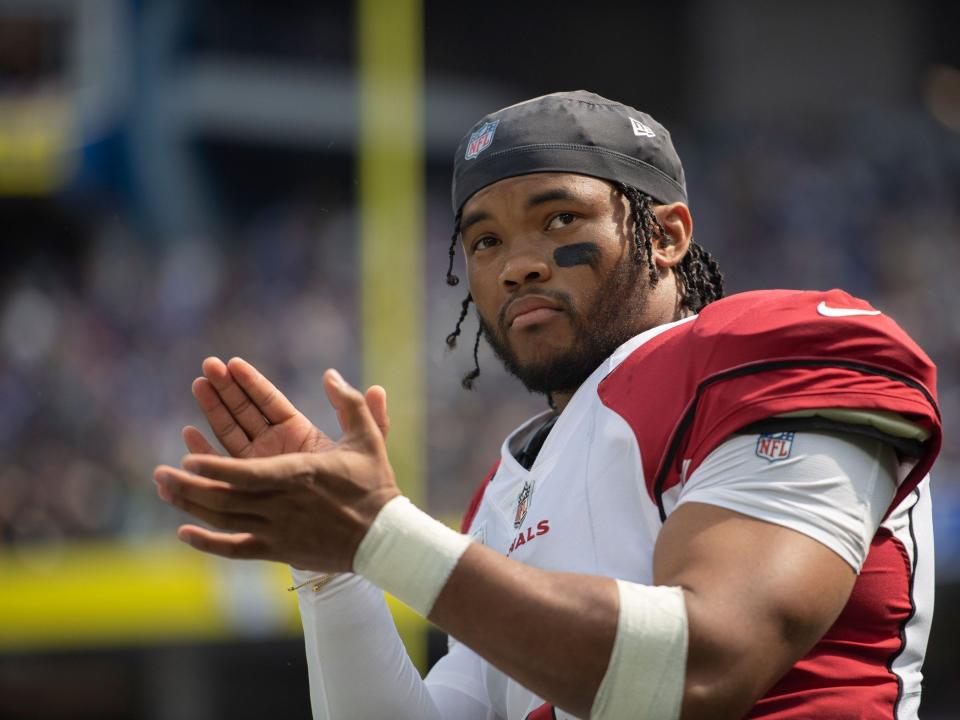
(648, 664)
(409, 554)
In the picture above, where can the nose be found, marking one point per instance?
(524, 266)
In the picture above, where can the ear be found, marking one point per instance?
(676, 218)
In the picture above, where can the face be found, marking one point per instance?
(553, 273)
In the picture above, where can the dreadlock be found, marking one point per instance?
(453, 280)
(468, 379)
(701, 281)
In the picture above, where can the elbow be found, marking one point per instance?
(725, 674)
(727, 680)
(728, 685)
(706, 699)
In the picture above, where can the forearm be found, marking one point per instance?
(356, 661)
(552, 632)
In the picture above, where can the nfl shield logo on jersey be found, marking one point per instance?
(481, 139)
(523, 504)
(775, 446)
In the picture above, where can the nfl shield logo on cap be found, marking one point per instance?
(481, 139)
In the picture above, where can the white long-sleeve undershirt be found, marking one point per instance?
(358, 667)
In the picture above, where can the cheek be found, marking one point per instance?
(586, 283)
(483, 290)
(615, 255)
(599, 244)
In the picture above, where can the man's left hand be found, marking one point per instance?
(310, 510)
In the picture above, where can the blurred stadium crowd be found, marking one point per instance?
(100, 348)
(100, 343)
(180, 180)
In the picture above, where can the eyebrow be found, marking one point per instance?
(534, 200)
(472, 219)
(550, 195)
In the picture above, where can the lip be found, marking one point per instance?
(531, 309)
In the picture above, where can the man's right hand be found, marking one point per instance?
(252, 419)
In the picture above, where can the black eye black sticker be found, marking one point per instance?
(587, 253)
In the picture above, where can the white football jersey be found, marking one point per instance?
(805, 409)
(644, 433)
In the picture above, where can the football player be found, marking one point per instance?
(724, 513)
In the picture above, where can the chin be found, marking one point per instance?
(554, 361)
(538, 353)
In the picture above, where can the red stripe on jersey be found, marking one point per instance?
(755, 355)
(477, 497)
(544, 712)
(847, 674)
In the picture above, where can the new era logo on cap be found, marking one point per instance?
(641, 130)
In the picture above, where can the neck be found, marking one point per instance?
(560, 400)
(667, 307)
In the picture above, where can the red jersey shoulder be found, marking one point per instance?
(756, 355)
(477, 498)
(769, 325)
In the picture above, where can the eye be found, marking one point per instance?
(560, 221)
(484, 242)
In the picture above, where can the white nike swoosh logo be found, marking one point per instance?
(828, 311)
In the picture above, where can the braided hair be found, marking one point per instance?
(452, 281)
(701, 281)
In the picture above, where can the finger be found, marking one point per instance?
(196, 442)
(237, 546)
(351, 406)
(241, 407)
(233, 438)
(270, 402)
(230, 522)
(213, 495)
(377, 402)
(275, 473)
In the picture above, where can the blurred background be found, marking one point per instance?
(271, 180)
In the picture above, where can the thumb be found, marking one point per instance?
(353, 414)
(377, 402)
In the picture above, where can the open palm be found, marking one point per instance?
(252, 419)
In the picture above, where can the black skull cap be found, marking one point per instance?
(570, 132)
